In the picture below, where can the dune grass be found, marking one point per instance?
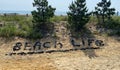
(22, 26)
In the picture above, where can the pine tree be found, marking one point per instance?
(103, 10)
(42, 14)
(78, 16)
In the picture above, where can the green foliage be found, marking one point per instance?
(34, 35)
(113, 23)
(8, 31)
(43, 13)
(93, 19)
(12, 30)
(15, 25)
(118, 33)
(103, 10)
(78, 16)
(9, 18)
(59, 18)
(22, 28)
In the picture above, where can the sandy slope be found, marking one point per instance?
(107, 58)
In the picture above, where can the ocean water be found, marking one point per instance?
(29, 12)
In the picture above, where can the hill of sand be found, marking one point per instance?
(106, 58)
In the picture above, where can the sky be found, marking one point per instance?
(60, 5)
